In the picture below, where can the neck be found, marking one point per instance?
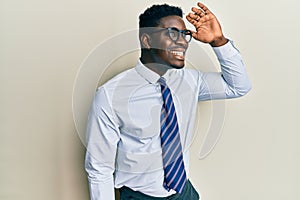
(154, 65)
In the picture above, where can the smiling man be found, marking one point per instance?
(141, 122)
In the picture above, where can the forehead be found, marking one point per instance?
(172, 21)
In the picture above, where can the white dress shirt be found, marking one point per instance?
(123, 132)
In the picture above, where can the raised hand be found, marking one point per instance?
(208, 28)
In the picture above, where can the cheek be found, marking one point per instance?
(161, 53)
(161, 43)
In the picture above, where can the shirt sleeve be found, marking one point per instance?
(231, 82)
(102, 139)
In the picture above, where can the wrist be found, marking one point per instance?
(219, 41)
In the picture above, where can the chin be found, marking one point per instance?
(177, 66)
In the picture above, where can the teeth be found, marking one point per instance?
(177, 53)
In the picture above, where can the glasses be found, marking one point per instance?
(174, 34)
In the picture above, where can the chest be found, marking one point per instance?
(138, 108)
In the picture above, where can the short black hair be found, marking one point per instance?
(152, 15)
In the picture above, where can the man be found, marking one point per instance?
(141, 122)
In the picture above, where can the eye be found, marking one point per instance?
(187, 35)
(173, 34)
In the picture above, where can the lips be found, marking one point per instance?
(178, 53)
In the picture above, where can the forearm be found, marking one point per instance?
(100, 177)
(99, 164)
(233, 80)
(236, 80)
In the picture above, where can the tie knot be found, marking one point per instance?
(162, 81)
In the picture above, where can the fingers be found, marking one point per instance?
(201, 11)
(203, 7)
(194, 22)
(199, 15)
(196, 16)
(198, 11)
(191, 20)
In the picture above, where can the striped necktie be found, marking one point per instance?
(175, 175)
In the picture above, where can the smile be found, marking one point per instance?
(177, 52)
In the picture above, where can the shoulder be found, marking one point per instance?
(120, 83)
(112, 83)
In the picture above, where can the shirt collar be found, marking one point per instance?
(149, 75)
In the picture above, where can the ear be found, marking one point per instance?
(145, 41)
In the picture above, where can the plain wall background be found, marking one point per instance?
(42, 45)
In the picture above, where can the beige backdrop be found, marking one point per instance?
(42, 46)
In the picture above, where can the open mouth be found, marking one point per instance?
(178, 53)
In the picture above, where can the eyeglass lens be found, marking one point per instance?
(174, 34)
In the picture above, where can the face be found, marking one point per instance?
(166, 51)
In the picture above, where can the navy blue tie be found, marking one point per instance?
(175, 175)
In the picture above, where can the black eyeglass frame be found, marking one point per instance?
(183, 33)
